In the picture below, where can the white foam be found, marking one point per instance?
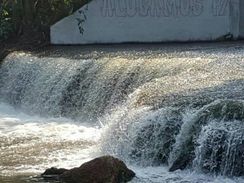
(31, 143)
(162, 175)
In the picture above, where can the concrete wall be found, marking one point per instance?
(241, 24)
(117, 21)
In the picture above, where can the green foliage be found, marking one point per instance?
(21, 16)
(6, 26)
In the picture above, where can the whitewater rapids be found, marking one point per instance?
(158, 109)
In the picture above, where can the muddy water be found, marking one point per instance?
(142, 104)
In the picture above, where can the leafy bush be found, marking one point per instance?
(25, 16)
(6, 26)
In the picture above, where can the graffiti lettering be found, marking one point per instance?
(154, 8)
(219, 7)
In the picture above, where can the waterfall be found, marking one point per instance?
(209, 139)
(183, 112)
(75, 88)
(213, 139)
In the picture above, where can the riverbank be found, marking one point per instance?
(27, 43)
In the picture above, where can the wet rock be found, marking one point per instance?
(212, 140)
(53, 173)
(100, 170)
(106, 169)
(154, 140)
(220, 149)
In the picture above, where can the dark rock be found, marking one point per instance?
(53, 173)
(181, 163)
(106, 169)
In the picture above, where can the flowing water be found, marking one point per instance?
(173, 115)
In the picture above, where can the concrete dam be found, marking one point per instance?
(151, 21)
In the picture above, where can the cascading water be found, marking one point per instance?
(160, 111)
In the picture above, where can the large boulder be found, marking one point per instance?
(106, 169)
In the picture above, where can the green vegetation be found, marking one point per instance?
(20, 17)
(6, 26)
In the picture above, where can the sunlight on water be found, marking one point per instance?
(31, 144)
(157, 111)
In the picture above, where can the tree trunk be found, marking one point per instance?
(28, 15)
(17, 15)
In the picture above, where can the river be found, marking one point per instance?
(157, 108)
